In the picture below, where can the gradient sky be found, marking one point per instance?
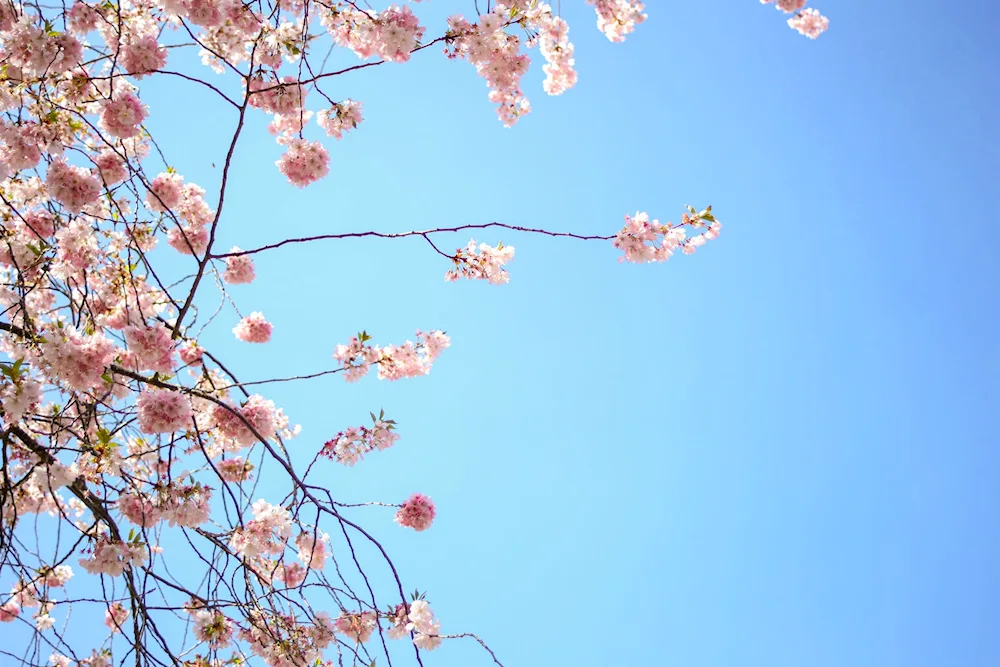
(781, 451)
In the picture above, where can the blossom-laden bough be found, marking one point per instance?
(129, 446)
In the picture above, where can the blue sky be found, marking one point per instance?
(780, 451)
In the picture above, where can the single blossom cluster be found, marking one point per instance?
(394, 362)
(644, 240)
(350, 446)
(113, 557)
(808, 22)
(417, 512)
(254, 329)
(485, 263)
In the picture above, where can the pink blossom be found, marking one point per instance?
(617, 18)
(809, 22)
(213, 627)
(253, 329)
(74, 187)
(142, 56)
(122, 115)
(78, 359)
(357, 627)
(313, 549)
(165, 192)
(258, 411)
(416, 513)
(191, 353)
(304, 162)
(236, 469)
(152, 346)
(163, 411)
(188, 239)
(239, 269)
(340, 118)
(113, 557)
(115, 617)
(9, 611)
(486, 263)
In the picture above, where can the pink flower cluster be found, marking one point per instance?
(77, 359)
(417, 512)
(232, 422)
(420, 621)
(113, 557)
(357, 627)
(808, 22)
(313, 549)
(239, 269)
(350, 446)
(341, 117)
(163, 411)
(391, 34)
(643, 240)
(253, 329)
(122, 115)
(394, 362)
(281, 640)
(617, 18)
(265, 534)
(169, 193)
(151, 347)
(304, 162)
(114, 617)
(212, 627)
(486, 263)
(236, 469)
(73, 187)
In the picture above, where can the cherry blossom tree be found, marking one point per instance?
(127, 446)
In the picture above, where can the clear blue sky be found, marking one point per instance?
(781, 451)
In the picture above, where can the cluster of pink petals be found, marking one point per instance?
(617, 18)
(253, 329)
(163, 411)
(236, 469)
(357, 627)
(281, 640)
(643, 240)
(304, 162)
(350, 446)
(122, 115)
(78, 359)
(114, 617)
(257, 411)
(391, 34)
(485, 263)
(239, 269)
(73, 187)
(19, 398)
(142, 56)
(212, 627)
(113, 557)
(416, 513)
(808, 22)
(191, 353)
(425, 628)
(266, 534)
(341, 117)
(151, 346)
(394, 362)
(313, 549)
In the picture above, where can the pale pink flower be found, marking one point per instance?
(239, 269)
(417, 512)
(114, 617)
(122, 115)
(253, 329)
(304, 162)
(809, 22)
